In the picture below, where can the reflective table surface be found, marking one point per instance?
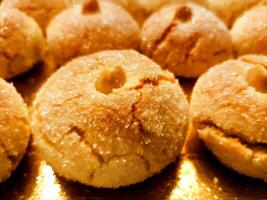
(196, 175)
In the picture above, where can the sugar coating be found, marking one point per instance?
(229, 112)
(110, 139)
(77, 31)
(249, 32)
(21, 43)
(42, 11)
(14, 129)
(187, 47)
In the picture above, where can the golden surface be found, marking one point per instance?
(198, 175)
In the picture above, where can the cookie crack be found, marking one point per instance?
(163, 37)
(194, 39)
(154, 81)
(78, 131)
(183, 14)
(233, 135)
(81, 133)
(254, 149)
(134, 109)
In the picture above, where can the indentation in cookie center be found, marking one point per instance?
(257, 78)
(90, 6)
(110, 79)
(183, 14)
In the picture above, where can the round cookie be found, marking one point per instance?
(41, 10)
(230, 10)
(21, 43)
(186, 39)
(249, 32)
(228, 111)
(141, 9)
(88, 28)
(14, 129)
(110, 119)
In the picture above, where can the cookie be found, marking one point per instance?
(186, 39)
(21, 43)
(229, 109)
(14, 129)
(249, 32)
(42, 11)
(230, 10)
(110, 119)
(88, 28)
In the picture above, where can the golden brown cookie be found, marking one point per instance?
(88, 28)
(21, 43)
(41, 10)
(14, 129)
(230, 10)
(229, 112)
(110, 119)
(186, 39)
(249, 32)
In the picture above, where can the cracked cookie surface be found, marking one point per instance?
(115, 138)
(14, 129)
(229, 112)
(186, 39)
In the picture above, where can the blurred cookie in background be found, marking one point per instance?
(14, 129)
(186, 39)
(230, 10)
(21, 43)
(42, 11)
(249, 32)
(88, 28)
